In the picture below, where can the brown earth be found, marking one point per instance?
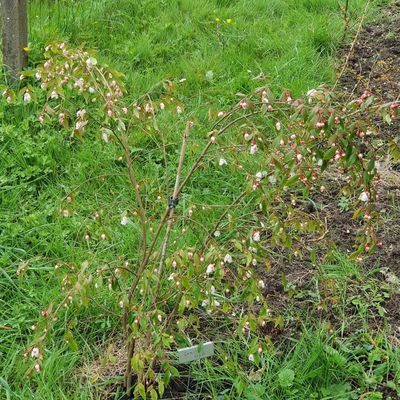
(373, 63)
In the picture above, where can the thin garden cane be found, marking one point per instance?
(172, 204)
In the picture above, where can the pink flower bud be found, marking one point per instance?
(210, 268)
(256, 236)
(253, 149)
(35, 352)
(367, 217)
(27, 96)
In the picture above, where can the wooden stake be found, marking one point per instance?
(15, 36)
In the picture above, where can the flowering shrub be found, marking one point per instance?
(281, 145)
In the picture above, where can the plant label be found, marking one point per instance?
(194, 353)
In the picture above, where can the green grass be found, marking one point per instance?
(291, 41)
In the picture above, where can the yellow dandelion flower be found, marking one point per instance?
(217, 20)
(229, 21)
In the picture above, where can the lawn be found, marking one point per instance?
(330, 339)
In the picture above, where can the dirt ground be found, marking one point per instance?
(373, 64)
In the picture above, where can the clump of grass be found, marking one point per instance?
(290, 41)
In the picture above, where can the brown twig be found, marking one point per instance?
(208, 145)
(351, 46)
(135, 185)
(223, 215)
(128, 371)
(172, 208)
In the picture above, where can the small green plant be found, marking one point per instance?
(170, 289)
(344, 204)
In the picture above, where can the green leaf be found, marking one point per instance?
(335, 356)
(161, 388)
(284, 281)
(182, 305)
(387, 119)
(349, 150)
(371, 165)
(141, 390)
(336, 390)
(239, 385)
(352, 159)
(292, 180)
(324, 166)
(153, 394)
(329, 154)
(286, 377)
(70, 340)
(254, 392)
(174, 371)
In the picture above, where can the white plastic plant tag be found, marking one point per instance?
(194, 353)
